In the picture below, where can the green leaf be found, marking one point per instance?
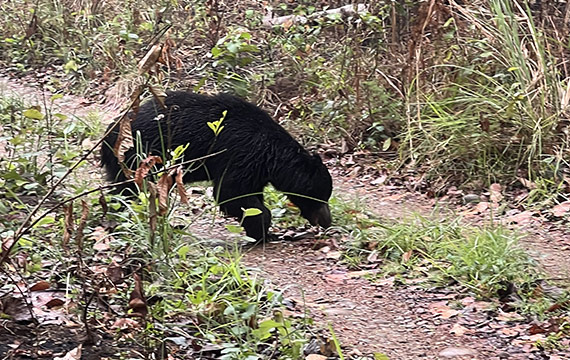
(183, 251)
(235, 229)
(216, 51)
(249, 48)
(55, 97)
(251, 212)
(380, 356)
(179, 151)
(71, 65)
(249, 312)
(45, 221)
(265, 328)
(68, 129)
(33, 114)
(201, 83)
(212, 126)
(233, 47)
(512, 68)
(386, 144)
(230, 310)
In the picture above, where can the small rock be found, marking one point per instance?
(471, 199)
(451, 352)
(315, 357)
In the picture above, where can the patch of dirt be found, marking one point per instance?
(20, 341)
(69, 105)
(401, 322)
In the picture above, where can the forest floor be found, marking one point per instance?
(410, 321)
(400, 321)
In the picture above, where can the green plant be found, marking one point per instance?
(484, 260)
(492, 115)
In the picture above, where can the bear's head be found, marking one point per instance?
(313, 198)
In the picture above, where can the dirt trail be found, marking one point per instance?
(402, 322)
(69, 105)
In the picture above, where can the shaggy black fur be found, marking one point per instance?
(257, 151)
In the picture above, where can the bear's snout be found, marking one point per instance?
(321, 217)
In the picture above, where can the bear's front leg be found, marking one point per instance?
(257, 226)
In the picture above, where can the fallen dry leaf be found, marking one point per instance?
(98, 234)
(362, 273)
(150, 59)
(159, 94)
(452, 352)
(509, 316)
(180, 185)
(165, 183)
(336, 277)
(440, 308)
(522, 218)
(480, 208)
(74, 354)
(468, 300)
(561, 209)
(124, 139)
(55, 302)
(315, 357)
(458, 330)
(125, 324)
(137, 302)
(510, 331)
(406, 256)
(40, 285)
(379, 180)
(495, 191)
(537, 328)
(82, 223)
(527, 183)
(334, 255)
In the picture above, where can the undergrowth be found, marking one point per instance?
(486, 261)
(165, 289)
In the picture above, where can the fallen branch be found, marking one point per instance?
(345, 11)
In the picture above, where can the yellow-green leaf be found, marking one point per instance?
(33, 114)
(386, 144)
(251, 212)
(236, 229)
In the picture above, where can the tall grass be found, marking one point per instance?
(494, 111)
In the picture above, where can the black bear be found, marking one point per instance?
(255, 151)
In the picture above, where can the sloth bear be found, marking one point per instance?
(255, 151)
